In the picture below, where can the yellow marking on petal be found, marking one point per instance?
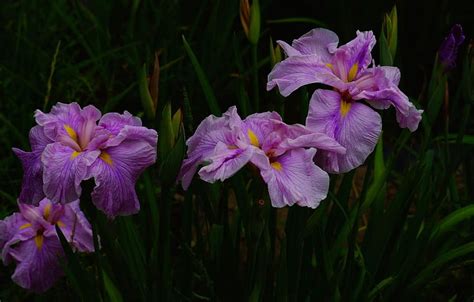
(352, 72)
(39, 241)
(75, 154)
(253, 138)
(330, 65)
(345, 107)
(276, 165)
(232, 147)
(60, 224)
(26, 225)
(106, 157)
(72, 134)
(47, 211)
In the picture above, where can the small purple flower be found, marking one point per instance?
(29, 239)
(340, 113)
(223, 145)
(71, 144)
(448, 50)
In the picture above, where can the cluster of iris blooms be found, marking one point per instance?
(72, 144)
(69, 145)
(341, 128)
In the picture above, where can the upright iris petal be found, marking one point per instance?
(315, 58)
(29, 239)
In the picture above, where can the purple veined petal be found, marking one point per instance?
(69, 124)
(225, 162)
(202, 143)
(295, 72)
(116, 172)
(316, 140)
(378, 86)
(293, 178)
(210, 129)
(90, 115)
(407, 114)
(75, 227)
(38, 267)
(358, 50)
(319, 41)
(114, 122)
(288, 49)
(269, 115)
(34, 215)
(133, 132)
(32, 183)
(60, 115)
(10, 227)
(262, 129)
(38, 139)
(355, 126)
(391, 73)
(63, 171)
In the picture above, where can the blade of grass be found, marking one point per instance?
(206, 87)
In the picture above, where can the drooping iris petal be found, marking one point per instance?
(385, 94)
(297, 71)
(38, 268)
(202, 143)
(293, 178)
(354, 125)
(11, 231)
(116, 172)
(32, 183)
(75, 227)
(64, 169)
(225, 162)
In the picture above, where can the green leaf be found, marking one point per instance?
(171, 164)
(382, 284)
(145, 97)
(81, 281)
(112, 292)
(206, 87)
(166, 141)
(442, 260)
(452, 220)
(379, 179)
(254, 29)
(385, 55)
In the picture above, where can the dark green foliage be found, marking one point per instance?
(399, 228)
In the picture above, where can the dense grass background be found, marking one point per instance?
(398, 228)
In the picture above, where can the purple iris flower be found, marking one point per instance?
(71, 144)
(29, 239)
(448, 50)
(340, 113)
(283, 153)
